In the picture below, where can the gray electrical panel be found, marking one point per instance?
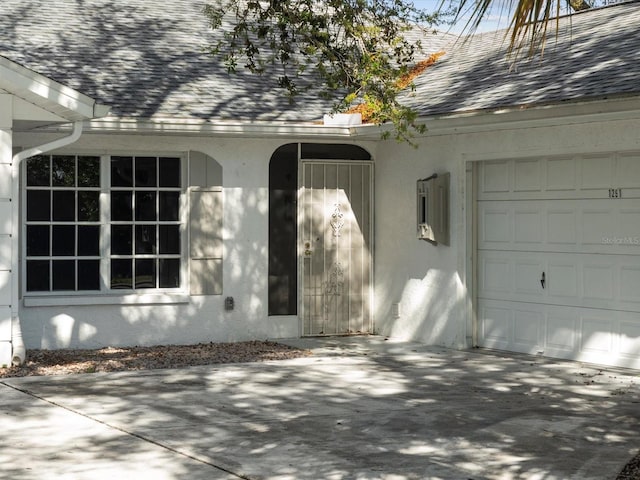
(433, 208)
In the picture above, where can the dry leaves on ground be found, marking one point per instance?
(110, 359)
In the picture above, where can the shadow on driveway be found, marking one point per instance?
(358, 408)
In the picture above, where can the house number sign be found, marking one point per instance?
(615, 193)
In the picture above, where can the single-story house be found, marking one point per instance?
(149, 197)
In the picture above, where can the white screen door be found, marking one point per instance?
(335, 236)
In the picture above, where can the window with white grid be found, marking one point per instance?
(102, 224)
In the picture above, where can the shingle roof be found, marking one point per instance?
(146, 60)
(596, 55)
(143, 58)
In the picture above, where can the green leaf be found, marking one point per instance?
(356, 46)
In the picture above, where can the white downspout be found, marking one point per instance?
(19, 352)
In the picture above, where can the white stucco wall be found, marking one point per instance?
(245, 165)
(424, 292)
(203, 318)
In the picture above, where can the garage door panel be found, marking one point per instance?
(630, 225)
(527, 330)
(527, 176)
(597, 226)
(496, 275)
(565, 177)
(528, 226)
(606, 281)
(561, 174)
(562, 279)
(628, 170)
(505, 275)
(630, 283)
(597, 172)
(598, 281)
(496, 327)
(558, 257)
(495, 177)
(496, 226)
(527, 277)
(590, 335)
(561, 227)
(597, 335)
(629, 339)
(561, 333)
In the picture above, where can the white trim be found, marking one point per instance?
(170, 126)
(446, 124)
(47, 93)
(132, 299)
(534, 116)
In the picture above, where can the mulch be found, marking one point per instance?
(115, 359)
(631, 471)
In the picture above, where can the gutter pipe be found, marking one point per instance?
(19, 352)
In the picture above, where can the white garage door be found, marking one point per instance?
(559, 257)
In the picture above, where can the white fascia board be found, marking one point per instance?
(224, 129)
(542, 115)
(46, 93)
(466, 122)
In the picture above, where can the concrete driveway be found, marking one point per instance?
(359, 408)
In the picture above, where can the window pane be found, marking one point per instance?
(169, 206)
(146, 172)
(121, 206)
(283, 234)
(37, 240)
(88, 240)
(121, 239)
(169, 238)
(64, 206)
(169, 273)
(64, 241)
(146, 206)
(88, 171)
(121, 171)
(169, 172)
(334, 151)
(146, 273)
(121, 274)
(146, 239)
(88, 206)
(64, 275)
(63, 171)
(88, 274)
(38, 171)
(38, 275)
(38, 205)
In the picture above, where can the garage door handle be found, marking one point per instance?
(543, 280)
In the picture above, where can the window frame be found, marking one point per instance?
(106, 294)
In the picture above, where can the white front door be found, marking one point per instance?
(335, 235)
(559, 257)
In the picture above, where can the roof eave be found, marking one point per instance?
(48, 94)
(514, 117)
(226, 128)
(527, 116)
